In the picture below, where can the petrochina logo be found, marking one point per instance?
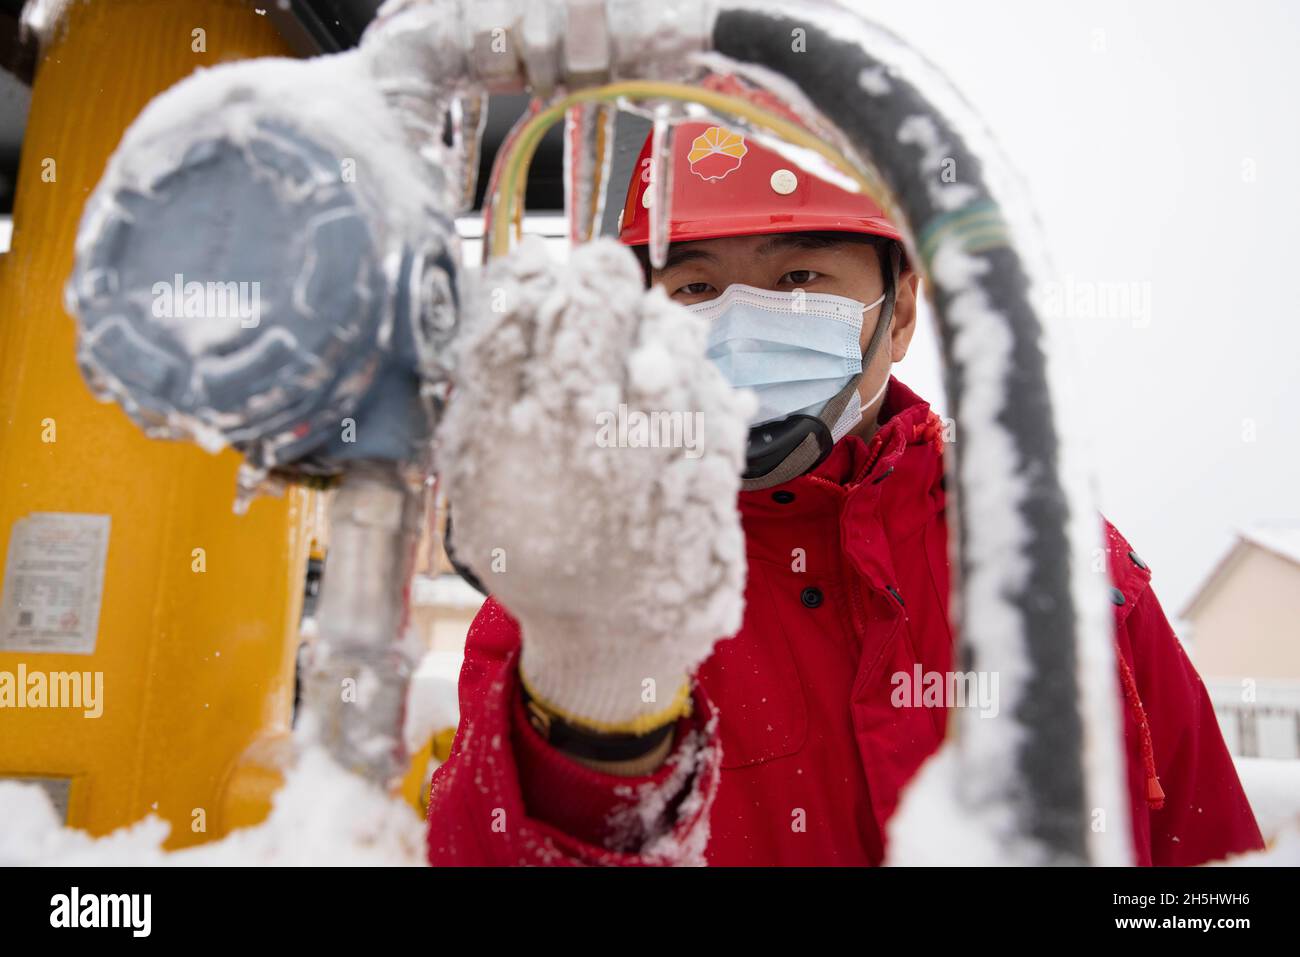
(715, 153)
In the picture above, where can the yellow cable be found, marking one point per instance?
(515, 177)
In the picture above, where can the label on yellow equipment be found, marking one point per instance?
(53, 583)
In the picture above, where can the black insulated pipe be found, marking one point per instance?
(1049, 795)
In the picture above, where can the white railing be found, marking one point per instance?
(1259, 719)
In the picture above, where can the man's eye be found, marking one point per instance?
(693, 289)
(799, 277)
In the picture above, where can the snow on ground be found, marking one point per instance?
(1273, 787)
(1283, 851)
(932, 829)
(326, 816)
(322, 816)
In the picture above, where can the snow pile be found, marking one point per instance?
(322, 816)
(931, 828)
(1273, 787)
(1283, 851)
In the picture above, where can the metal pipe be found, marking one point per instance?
(359, 666)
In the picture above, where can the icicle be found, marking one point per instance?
(588, 153)
(604, 156)
(468, 114)
(661, 185)
(579, 139)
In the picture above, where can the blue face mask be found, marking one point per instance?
(796, 351)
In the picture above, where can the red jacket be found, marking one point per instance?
(794, 753)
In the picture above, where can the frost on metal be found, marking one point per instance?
(947, 195)
(43, 19)
(285, 190)
(996, 560)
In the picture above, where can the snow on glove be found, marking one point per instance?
(592, 457)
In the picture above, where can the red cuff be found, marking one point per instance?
(592, 806)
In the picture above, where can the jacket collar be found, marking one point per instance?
(856, 466)
(907, 420)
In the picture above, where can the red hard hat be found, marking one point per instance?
(725, 184)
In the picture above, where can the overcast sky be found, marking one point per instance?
(1159, 143)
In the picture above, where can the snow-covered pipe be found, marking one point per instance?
(359, 666)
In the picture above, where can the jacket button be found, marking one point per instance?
(1133, 557)
(811, 597)
(1116, 596)
(783, 497)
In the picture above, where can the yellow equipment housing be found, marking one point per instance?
(196, 648)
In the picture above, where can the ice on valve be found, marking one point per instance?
(249, 278)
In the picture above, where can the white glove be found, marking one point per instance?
(622, 564)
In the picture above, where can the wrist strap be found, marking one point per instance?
(584, 743)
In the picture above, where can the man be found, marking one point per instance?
(787, 743)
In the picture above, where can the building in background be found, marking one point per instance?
(1243, 633)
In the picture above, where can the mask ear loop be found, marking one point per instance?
(890, 266)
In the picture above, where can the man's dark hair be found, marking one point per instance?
(813, 239)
